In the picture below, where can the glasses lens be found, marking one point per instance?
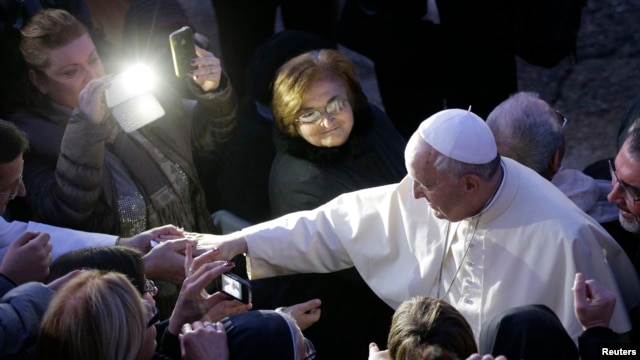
(150, 288)
(629, 197)
(310, 117)
(335, 106)
(563, 120)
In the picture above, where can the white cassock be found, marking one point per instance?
(523, 248)
(62, 240)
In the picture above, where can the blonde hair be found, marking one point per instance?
(297, 75)
(97, 316)
(49, 29)
(425, 328)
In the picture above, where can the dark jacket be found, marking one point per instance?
(304, 176)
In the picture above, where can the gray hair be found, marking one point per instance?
(633, 140)
(527, 130)
(457, 169)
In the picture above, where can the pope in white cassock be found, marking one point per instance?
(480, 231)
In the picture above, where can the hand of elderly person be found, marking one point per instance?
(194, 302)
(204, 341)
(376, 354)
(225, 247)
(207, 70)
(142, 241)
(91, 100)
(165, 260)
(28, 258)
(592, 303)
(305, 314)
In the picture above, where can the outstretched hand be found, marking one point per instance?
(194, 303)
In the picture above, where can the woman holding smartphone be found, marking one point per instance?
(84, 171)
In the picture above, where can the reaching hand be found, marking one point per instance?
(143, 240)
(28, 258)
(376, 354)
(165, 261)
(193, 301)
(305, 314)
(204, 341)
(592, 303)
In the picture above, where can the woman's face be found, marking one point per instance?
(329, 130)
(149, 342)
(71, 67)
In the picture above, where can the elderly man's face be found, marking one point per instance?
(11, 182)
(443, 195)
(626, 190)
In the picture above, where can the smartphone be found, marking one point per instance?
(183, 49)
(235, 286)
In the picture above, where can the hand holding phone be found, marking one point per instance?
(183, 49)
(235, 286)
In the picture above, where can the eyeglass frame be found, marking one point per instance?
(563, 120)
(12, 195)
(155, 317)
(626, 187)
(309, 350)
(150, 287)
(323, 111)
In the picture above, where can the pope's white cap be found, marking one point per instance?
(460, 135)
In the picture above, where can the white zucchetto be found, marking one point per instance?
(460, 135)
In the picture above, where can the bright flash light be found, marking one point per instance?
(138, 79)
(129, 97)
(135, 81)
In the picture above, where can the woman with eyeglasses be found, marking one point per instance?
(330, 140)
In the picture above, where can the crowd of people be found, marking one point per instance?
(362, 231)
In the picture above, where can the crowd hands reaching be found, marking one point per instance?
(204, 322)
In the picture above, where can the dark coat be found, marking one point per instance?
(304, 176)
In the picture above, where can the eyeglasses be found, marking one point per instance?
(153, 314)
(334, 107)
(628, 190)
(563, 120)
(309, 350)
(12, 194)
(150, 288)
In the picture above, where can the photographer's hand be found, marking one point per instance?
(92, 103)
(208, 70)
(194, 302)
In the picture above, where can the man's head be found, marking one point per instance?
(625, 178)
(13, 144)
(529, 131)
(454, 162)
